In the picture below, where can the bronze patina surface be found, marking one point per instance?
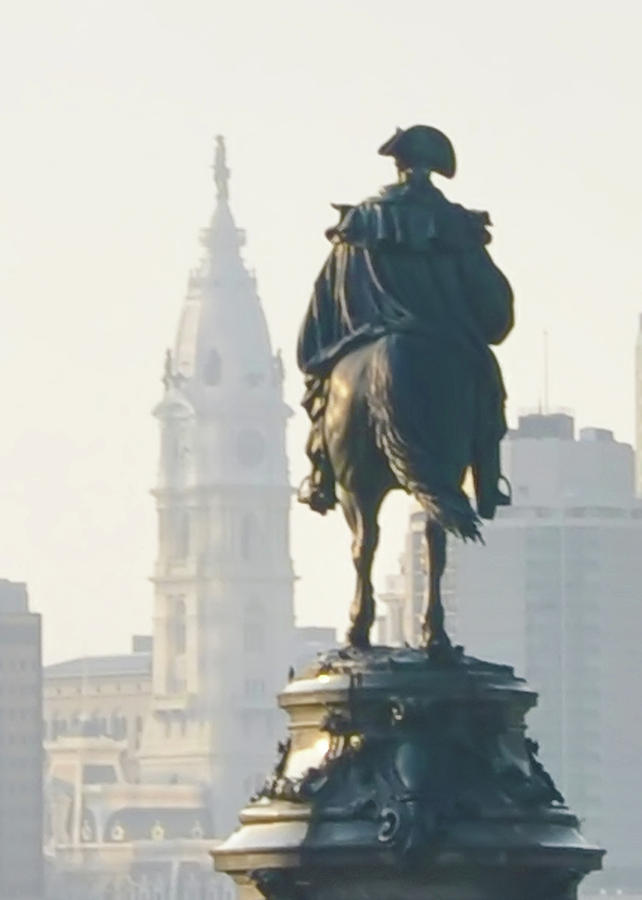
(403, 390)
(406, 772)
(403, 777)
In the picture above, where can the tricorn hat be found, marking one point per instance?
(422, 145)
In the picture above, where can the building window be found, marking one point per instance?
(254, 688)
(118, 726)
(212, 369)
(98, 774)
(248, 537)
(179, 627)
(179, 532)
(254, 608)
(253, 638)
(58, 728)
(183, 535)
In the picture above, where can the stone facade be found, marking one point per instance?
(99, 695)
(108, 836)
(223, 609)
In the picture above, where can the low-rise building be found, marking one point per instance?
(100, 695)
(108, 836)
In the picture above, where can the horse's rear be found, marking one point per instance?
(363, 476)
(390, 423)
(401, 415)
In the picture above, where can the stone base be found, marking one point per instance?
(404, 777)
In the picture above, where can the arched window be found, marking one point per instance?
(158, 892)
(180, 526)
(92, 727)
(212, 368)
(118, 725)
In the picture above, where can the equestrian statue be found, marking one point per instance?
(402, 387)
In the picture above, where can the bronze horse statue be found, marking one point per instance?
(402, 388)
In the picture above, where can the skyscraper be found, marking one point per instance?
(638, 409)
(21, 812)
(223, 609)
(557, 592)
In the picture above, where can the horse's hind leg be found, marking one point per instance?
(435, 638)
(361, 515)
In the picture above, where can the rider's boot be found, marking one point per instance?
(487, 479)
(317, 490)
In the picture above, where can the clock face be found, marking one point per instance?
(250, 447)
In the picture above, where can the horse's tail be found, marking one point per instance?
(406, 438)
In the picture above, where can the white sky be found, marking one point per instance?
(108, 115)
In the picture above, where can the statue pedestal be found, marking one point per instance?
(405, 778)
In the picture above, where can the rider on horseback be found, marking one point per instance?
(409, 261)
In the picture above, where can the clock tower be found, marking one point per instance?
(223, 606)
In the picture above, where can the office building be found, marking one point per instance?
(21, 803)
(557, 592)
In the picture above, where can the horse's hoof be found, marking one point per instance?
(440, 649)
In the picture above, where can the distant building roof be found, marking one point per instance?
(558, 425)
(598, 435)
(142, 643)
(131, 664)
(315, 633)
(13, 596)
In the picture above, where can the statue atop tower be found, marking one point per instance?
(221, 171)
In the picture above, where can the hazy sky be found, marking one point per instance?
(109, 110)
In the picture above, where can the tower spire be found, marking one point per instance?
(221, 171)
(223, 499)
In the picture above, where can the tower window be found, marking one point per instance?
(248, 537)
(180, 533)
(254, 608)
(253, 638)
(180, 637)
(250, 447)
(212, 368)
